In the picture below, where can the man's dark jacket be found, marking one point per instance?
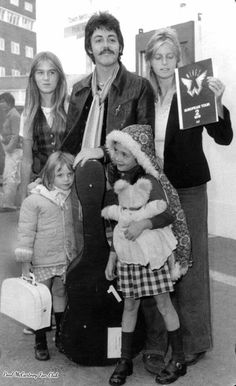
(130, 101)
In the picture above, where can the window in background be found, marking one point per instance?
(2, 44)
(29, 52)
(15, 2)
(15, 48)
(28, 6)
(2, 71)
(15, 72)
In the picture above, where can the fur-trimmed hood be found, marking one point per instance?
(140, 142)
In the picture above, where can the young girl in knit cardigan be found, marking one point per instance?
(133, 156)
(46, 242)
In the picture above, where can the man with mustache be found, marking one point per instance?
(110, 98)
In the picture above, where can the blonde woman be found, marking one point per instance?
(186, 167)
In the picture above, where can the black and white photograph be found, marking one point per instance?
(117, 193)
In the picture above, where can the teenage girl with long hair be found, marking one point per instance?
(43, 120)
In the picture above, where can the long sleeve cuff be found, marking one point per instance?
(23, 255)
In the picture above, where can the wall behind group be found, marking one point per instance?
(215, 39)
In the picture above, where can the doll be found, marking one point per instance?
(152, 246)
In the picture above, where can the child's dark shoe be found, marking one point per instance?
(41, 351)
(123, 368)
(171, 373)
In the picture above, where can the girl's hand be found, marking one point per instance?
(111, 265)
(26, 269)
(86, 154)
(135, 229)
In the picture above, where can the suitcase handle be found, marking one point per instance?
(30, 279)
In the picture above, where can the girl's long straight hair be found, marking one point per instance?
(33, 97)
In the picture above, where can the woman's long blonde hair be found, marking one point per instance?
(161, 36)
(33, 97)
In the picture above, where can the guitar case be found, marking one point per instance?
(93, 313)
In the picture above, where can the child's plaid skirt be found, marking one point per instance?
(44, 273)
(137, 281)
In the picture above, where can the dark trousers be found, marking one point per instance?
(156, 334)
(191, 297)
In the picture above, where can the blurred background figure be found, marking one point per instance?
(12, 148)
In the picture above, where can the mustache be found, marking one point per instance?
(107, 50)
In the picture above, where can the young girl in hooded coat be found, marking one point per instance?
(133, 157)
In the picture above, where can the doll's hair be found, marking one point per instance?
(33, 97)
(161, 36)
(56, 159)
(102, 20)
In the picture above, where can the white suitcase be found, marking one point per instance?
(26, 301)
